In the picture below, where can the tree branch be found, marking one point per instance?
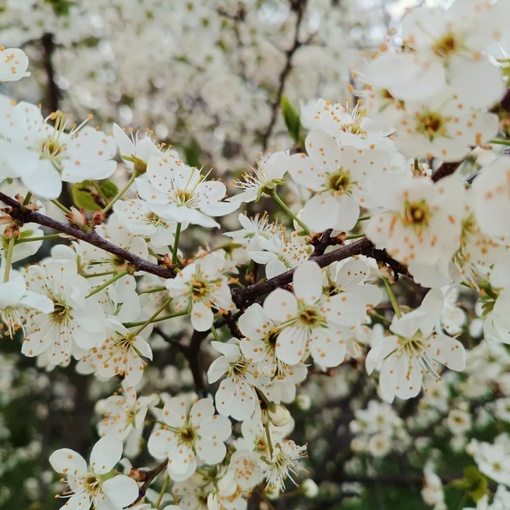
(53, 92)
(25, 215)
(242, 297)
(299, 6)
(445, 169)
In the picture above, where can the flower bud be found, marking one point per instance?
(279, 415)
(309, 488)
(303, 402)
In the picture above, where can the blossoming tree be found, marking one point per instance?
(326, 330)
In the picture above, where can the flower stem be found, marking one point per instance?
(159, 319)
(283, 205)
(95, 275)
(40, 238)
(152, 318)
(100, 192)
(119, 275)
(176, 244)
(268, 438)
(119, 194)
(166, 480)
(63, 208)
(379, 316)
(27, 198)
(215, 334)
(500, 141)
(152, 291)
(8, 259)
(393, 298)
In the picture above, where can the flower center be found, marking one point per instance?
(183, 196)
(309, 317)
(416, 214)
(154, 219)
(238, 368)
(270, 341)
(92, 483)
(188, 435)
(445, 46)
(51, 148)
(431, 124)
(199, 290)
(340, 181)
(60, 314)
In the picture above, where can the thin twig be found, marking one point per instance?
(53, 92)
(300, 7)
(25, 215)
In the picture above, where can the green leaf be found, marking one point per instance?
(108, 188)
(291, 118)
(83, 196)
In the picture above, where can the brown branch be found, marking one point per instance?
(147, 478)
(322, 241)
(505, 102)
(53, 92)
(195, 362)
(242, 297)
(299, 6)
(25, 215)
(446, 169)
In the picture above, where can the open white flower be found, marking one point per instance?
(77, 323)
(493, 460)
(284, 464)
(193, 435)
(269, 173)
(441, 127)
(421, 221)
(124, 414)
(122, 354)
(446, 48)
(95, 484)
(43, 155)
(180, 193)
(310, 321)
(136, 216)
(236, 395)
(338, 175)
(203, 288)
(258, 347)
(414, 351)
(351, 126)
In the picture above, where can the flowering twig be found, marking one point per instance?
(26, 216)
(244, 296)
